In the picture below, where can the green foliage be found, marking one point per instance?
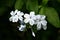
(32, 5)
(44, 2)
(19, 4)
(52, 15)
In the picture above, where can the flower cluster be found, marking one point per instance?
(26, 18)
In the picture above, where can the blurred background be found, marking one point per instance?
(9, 30)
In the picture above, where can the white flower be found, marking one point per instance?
(29, 18)
(22, 27)
(33, 33)
(14, 18)
(16, 15)
(40, 21)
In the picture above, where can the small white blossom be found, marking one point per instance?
(22, 27)
(40, 21)
(29, 18)
(33, 33)
(16, 15)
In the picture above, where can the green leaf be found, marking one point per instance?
(32, 5)
(44, 2)
(18, 4)
(52, 15)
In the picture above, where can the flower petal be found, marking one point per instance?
(33, 33)
(43, 17)
(22, 27)
(38, 17)
(21, 13)
(12, 13)
(16, 11)
(32, 13)
(26, 16)
(31, 22)
(38, 25)
(14, 18)
(10, 19)
(44, 27)
(34, 18)
(44, 22)
(26, 20)
(20, 18)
